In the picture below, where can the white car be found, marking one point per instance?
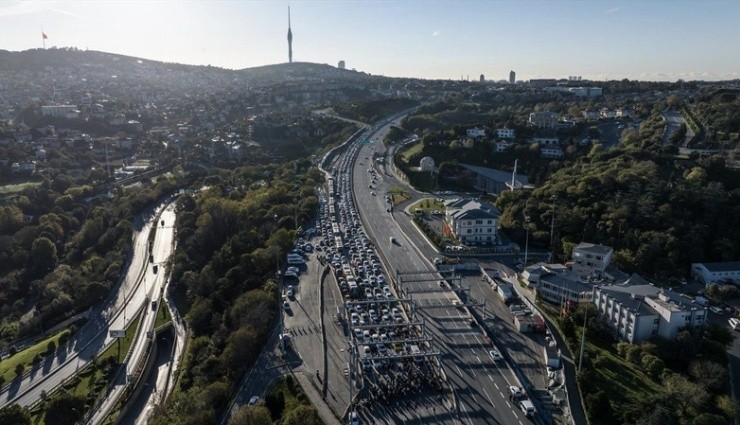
(254, 400)
(495, 355)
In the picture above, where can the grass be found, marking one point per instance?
(125, 343)
(163, 316)
(18, 187)
(428, 204)
(410, 152)
(25, 357)
(624, 382)
(399, 195)
(90, 382)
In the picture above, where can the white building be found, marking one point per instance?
(707, 273)
(60, 111)
(623, 112)
(591, 115)
(552, 152)
(562, 286)
(608, 113)
(505, 133)
(476, 132)
(503, 146)
(637, 312)
(591, 259)
(543, 119)
(472, 221)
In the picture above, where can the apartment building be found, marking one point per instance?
(591, 259)
(637, 312)
(543, 119)
(505, 133)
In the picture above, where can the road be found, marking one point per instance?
(478, 383)
(153, 287)
(93, 337)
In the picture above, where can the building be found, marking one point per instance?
(473, 222)
(502, 146)
(591, 115)
(624, 112)
(591, 259)
(589, 92)
(608, 113)
(482, 78)
(533, 273)
(707, 273)
(476, 132)
(426, 164)
(552, 152)
(546, 141)
(341, 65)
(505, 133)
(512, 77)
(638, 311)
(60, 111)
(560, 287)
(493, 181)
(543, 119)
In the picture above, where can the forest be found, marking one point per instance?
(229, 240)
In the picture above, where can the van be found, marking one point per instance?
(527, 407)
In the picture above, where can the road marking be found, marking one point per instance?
(509, 404)
(491, 378)
(502, 394)
(495, 384)
(458, 370)
(489, 397)
(479, 360)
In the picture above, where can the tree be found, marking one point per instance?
(14, 415)
(598, 407)
(44, 255)
(19, 369)
(652, 365)
(275, 403)
(66, 409)
(709, 419)
(710, 375)
(251, 415)
(303, 415)
(674, 101)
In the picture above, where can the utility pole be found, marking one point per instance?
(583, 339)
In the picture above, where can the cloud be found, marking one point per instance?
(614, 9)
(435, 33)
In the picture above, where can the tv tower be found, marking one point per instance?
(290, 40)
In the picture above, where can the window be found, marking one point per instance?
(489, 231)
(478, 221)
(655, 322)
(490, 221)
(470, 231)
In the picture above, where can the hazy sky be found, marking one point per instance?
(647, 40)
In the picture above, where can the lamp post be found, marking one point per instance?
(554, 200)
(526, 243)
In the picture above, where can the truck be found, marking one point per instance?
(155, 268)
(527, 407)
(504, 291)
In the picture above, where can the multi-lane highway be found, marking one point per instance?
(92, 338)
(480, 384)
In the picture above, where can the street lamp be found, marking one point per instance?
(526, 243)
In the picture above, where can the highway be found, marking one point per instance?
(480, 385)
(153, 286)
(93, 337)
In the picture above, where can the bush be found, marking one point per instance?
(19, 369)
(634, 354)
(51, 347)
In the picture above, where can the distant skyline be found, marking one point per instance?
(644, 40)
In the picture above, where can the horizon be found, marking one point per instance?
(443, 40)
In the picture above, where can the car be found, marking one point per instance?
(473, 323)
(286, 306)
(516, 392)
(442, 284)
(358, 333)
(353, 419)
(290, 292)
(254, 400)
(495, 355)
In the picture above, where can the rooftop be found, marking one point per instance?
(594, 248)
(497, 175)
(727, 266)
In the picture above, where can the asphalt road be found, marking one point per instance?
(478, 383)
(153, 284)
(93, 337)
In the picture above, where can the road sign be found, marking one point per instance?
(117, 333)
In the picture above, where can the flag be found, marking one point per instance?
(43, 35)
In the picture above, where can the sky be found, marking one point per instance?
(595, 39)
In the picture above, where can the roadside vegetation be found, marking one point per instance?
(284, 404)
(373, 110)
(229, 237)
(32, 356)
(428, 204)
(656, 382)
